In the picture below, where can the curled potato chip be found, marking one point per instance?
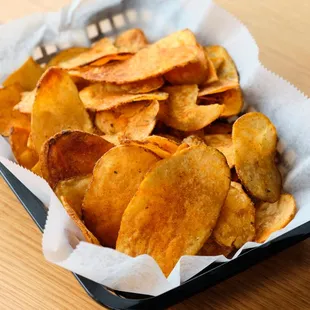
(26, 76)
(223, 143)
(133, 121)
(88, 236)
(218, 87)
(66, 55)
(104, 60)
(161, 146)
(57, 107)
(176, 50)
(212, 248)
(212, 75)
(255, 141)
(271, 217)
(180, 110)
(193, 73)
(96, 98)
(193, 140)
(23, 155)
(235, 225)
(218, 128)
(70, 154)
(131, 40)
(116, 178)
(176, 206)
(100, 49)
(73, 191)
(9, 97)
(37, 169)
(27, 101)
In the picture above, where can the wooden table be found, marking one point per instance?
(27, 281)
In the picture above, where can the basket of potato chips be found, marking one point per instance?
(164, 153)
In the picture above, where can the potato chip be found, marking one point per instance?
(88, 236)
(131, 40)
(255, 140)
(212, 75)
(36, 169)
(26, 76)
(193, 140)
(96, 98)
(193, 73)
(66, 55)
(114, 57)
(27, 101)
(57, 107)
(164, 143)
(176, 206)
(217, 87)
(116, 178)
(235, 225)
(71, 154)
(212, 248)
(223, 143)
(133, 121)
(23, 155)
(9, 97)
(73, 191)
(180, 110)
(176, 50)
(218, 128)
(271, 217)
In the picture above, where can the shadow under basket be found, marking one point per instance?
(108, 23)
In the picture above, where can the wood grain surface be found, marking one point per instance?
(27, 281)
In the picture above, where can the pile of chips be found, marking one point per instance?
(139, 143)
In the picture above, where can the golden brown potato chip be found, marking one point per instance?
(66, 55)
(176, 206)
(164, 143)
(100, 49)
(88, 236)
(212, 248)
(223, 143)
(73, 191)
(27, 101)
(212, 75)
(9, 97)
(131, 40)
(37, 169)
(218, 128)
(193, 73)
(235, 225)
(231, 99)
(96, 98)
(23, 155)
(180, 110)
(176, 50)
(116, 178)
(71, 154)
(217, 87)
(26, 76)
(255, 141)
(193, 140)
(57, 107)
(271, 217)
(133, 121)
(115, 57)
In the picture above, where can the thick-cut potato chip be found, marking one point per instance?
(271, 217)
(180, 110)
(131, 40)
(116, 178)
(27, 101)
(212, 248)
(71, 154)
(26, 76)
(193, 73)
(230, 99)
(176, 50)
(96, 98)
(23, 155)
(115, 57)
(133, 121)
(9, 97)
(73, 191)
(218, 128)
(176, 206)
(88, 236)
(255, 141)
(66, 55)
(57, 107)
(100, 49)
(223, 143)
(235, 225)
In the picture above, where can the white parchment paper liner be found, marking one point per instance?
(286, 106)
